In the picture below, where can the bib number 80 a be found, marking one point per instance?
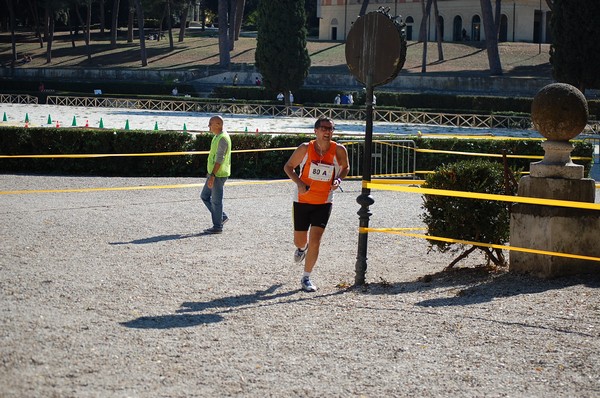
(321, 172)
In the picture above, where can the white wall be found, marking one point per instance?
(519, 13)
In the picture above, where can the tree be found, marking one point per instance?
(363, 8)
(426, 8)
(183, 19)
(575, 50)
(140, 15)
(491, 27)
(12, 19)
(224, 47)
(281, 55)
(438, 29)
(114, 24)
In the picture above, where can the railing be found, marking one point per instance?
(390, 116)
(18, 99)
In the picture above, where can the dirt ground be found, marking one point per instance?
(114, 291)
(201, 50)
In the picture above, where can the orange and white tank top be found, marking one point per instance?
(318, 172)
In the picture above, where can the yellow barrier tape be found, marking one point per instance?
(400, 182)
(138, 188)
(400, 231)
(480, 137)
(110, 155)
(493, 155)
(485, 196)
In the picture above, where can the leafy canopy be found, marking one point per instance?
(281, 54)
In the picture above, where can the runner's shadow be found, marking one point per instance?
(236, 301)
(172, 321)
(183, 319)
(155, 239)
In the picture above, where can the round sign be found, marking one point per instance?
(375, 47)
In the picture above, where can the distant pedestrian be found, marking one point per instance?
(235, 79)
(257, 81)
(280, 97)
(337, 100)
(218, 167)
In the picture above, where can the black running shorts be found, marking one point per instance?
(306, 214)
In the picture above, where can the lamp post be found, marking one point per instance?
(375, 53)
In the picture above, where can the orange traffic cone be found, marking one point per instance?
(26, 125)
(87, 123)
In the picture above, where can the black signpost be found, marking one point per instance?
(375, 54)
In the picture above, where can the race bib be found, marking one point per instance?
(320, 172)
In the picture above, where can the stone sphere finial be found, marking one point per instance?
(559, 112)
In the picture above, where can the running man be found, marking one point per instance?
(323, 164)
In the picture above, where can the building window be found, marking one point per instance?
(409, 28)
(476, 28)
(457, 29)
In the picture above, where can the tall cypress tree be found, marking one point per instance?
(575, 49)
(281, 55)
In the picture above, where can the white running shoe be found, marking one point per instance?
(307, 285)
(299, 255)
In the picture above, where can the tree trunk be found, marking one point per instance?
(50, 13)
(72, 30)
(130, 18)
(438, 29)
(102, 16)
(183, 20)
(424, 34)
(231, 23)
(81, 22)
(160, 23)
(114, 30)
(363, 8)
(11, 13)
(423, 31)
(46, 20)
(224, 56)
(140, 15)
(88, 29)
(491, 38)
(497, 16)
(169, 26)
(36, 20)
(239, 16)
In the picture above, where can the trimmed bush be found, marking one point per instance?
(472, 220)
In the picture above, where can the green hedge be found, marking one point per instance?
(268, 164)
(45, 141)
(431, 161)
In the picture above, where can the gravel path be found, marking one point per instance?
(116, 294)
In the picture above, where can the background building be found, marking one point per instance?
(460, 20)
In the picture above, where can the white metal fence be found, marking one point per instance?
(389, 158)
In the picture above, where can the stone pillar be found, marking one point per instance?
(559, 112)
